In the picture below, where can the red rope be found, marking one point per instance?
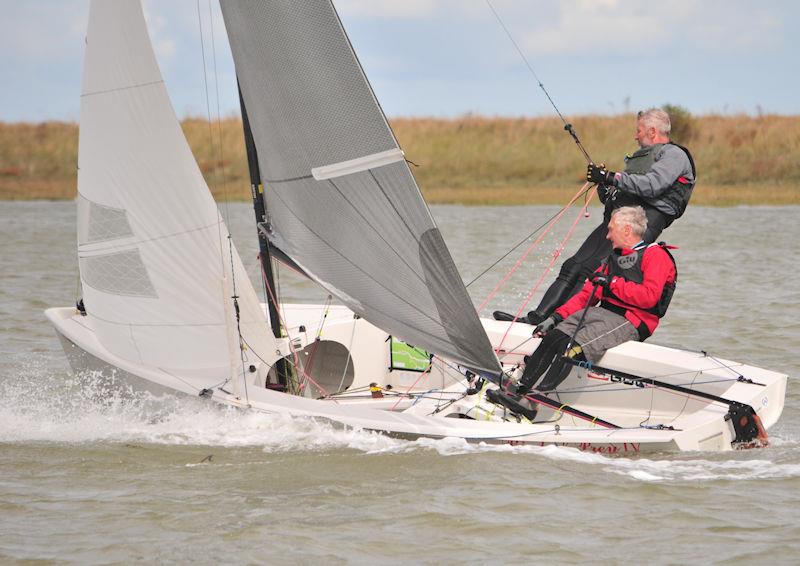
(291, 345)
(556, 255)
(412, 386)
(538, 240)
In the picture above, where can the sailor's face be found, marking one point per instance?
(644, 134)
(617, 234)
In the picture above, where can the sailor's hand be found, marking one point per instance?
(599, 174)
(601, 280)
(547, 324)
(606, 192)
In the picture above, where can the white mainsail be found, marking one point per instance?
(154, 257)
(342, 201)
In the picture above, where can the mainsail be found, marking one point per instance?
(154, 258)
(341, 199)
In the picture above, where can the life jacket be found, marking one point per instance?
(629, 267)
(677, 197)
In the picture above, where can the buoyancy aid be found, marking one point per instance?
(678, 195)
(629, 267)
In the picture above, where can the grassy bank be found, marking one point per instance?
(470, 160)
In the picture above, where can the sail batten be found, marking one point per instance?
(357, 165)
(342, 202)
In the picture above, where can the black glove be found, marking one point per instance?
(599, 174)
(548, 324)
(601, 280)
(606, 192)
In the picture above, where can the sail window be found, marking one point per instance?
(119, 273)
(106, 223)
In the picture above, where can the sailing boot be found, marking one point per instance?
(555, 296)
(519, 405)
(508, 317)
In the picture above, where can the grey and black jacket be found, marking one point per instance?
(660, 176)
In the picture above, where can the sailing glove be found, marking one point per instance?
(601, 280)
(599, 174)
(548, 324)
(607, 192)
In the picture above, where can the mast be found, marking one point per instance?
(257, 192)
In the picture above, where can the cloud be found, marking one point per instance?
(444, 11)
(36, 32)
(163, 44)
(372, 9)
(612, 27)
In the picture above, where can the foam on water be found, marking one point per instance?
(41, 406)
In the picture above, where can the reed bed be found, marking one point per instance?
(470, 160)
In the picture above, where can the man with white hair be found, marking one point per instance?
(631, 289)
(659, 177)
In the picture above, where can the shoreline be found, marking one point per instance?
(472, 160)
(711, 195)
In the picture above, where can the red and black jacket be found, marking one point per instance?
(641, 286)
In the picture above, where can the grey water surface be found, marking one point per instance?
(91, 481)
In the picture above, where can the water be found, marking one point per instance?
(91, 482)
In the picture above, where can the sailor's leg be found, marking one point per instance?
(656, 222)
(552, 347)
(573, 273)
(558, 372)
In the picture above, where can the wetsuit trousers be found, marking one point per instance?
(548, 357)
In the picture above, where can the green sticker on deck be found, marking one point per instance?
(405, 357)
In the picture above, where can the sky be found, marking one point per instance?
(448, 58)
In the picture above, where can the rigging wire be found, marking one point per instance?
(221, 175)
(583, 192)
(220, 168)
(535, 288)
(292, 349)
(567, 126)
(208, 115)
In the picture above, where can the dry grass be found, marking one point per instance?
(470, 160)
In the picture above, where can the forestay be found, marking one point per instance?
(153, 254)
(341, 200)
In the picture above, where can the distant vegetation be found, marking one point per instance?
(473, 160)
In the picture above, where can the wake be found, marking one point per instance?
(39, 405)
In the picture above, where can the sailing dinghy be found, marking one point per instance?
(169, 307)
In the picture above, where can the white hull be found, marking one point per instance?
(697, 424)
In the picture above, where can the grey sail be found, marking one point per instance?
(341, 200)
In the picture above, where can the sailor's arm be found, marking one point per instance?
(583, 298)
(672, 164)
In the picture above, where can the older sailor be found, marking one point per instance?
(659, 177)
(632, 291)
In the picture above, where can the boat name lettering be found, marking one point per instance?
(625, 447)
(626, 381)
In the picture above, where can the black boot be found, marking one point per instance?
(555, 296)
(516, 404)
(504, 316)
(508, 317)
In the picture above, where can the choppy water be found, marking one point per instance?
(89, 482)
